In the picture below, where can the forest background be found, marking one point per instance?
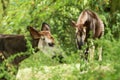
(16, 15)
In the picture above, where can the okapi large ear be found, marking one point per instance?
(73, 23)
(34, 33)
(45, 27)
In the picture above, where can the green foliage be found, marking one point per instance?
(58, 14)
(116, 25)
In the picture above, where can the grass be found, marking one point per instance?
(42, 67)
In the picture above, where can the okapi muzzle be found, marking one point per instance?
(80, 37)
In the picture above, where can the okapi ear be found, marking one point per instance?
(45, 27)
(34, 33)
(73, 23)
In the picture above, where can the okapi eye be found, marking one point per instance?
(42, 38)
(51, 37)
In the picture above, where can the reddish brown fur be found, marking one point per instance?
(47, 34)
(89, 21)
(92, 23)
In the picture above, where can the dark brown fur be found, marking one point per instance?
(12, 44)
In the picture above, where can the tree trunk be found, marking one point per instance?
(5, 4)
(115, 5)
(1, 11)
(114, 10)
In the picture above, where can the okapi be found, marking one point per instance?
(88, 26)
(12, 44)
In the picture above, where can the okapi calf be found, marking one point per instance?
(88, 26)
(12, 44)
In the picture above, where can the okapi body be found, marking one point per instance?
(88, 26)
(12, 44)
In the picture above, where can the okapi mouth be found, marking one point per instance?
(51, 44)
(80, 44)
(79, 40)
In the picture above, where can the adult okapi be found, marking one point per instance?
(12, 44)
(88, 26)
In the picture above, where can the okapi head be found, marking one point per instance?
(80, 34)
(44, 36)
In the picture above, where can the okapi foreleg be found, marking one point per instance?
(100, 53)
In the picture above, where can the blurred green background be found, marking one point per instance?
(16, 15)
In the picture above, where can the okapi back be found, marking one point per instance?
(12, 44)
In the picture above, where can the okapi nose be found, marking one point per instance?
(51, 44)
(80, 44)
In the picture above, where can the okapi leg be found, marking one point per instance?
(1, 57)
(86, 54)
(91, 51)
(100, 53)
